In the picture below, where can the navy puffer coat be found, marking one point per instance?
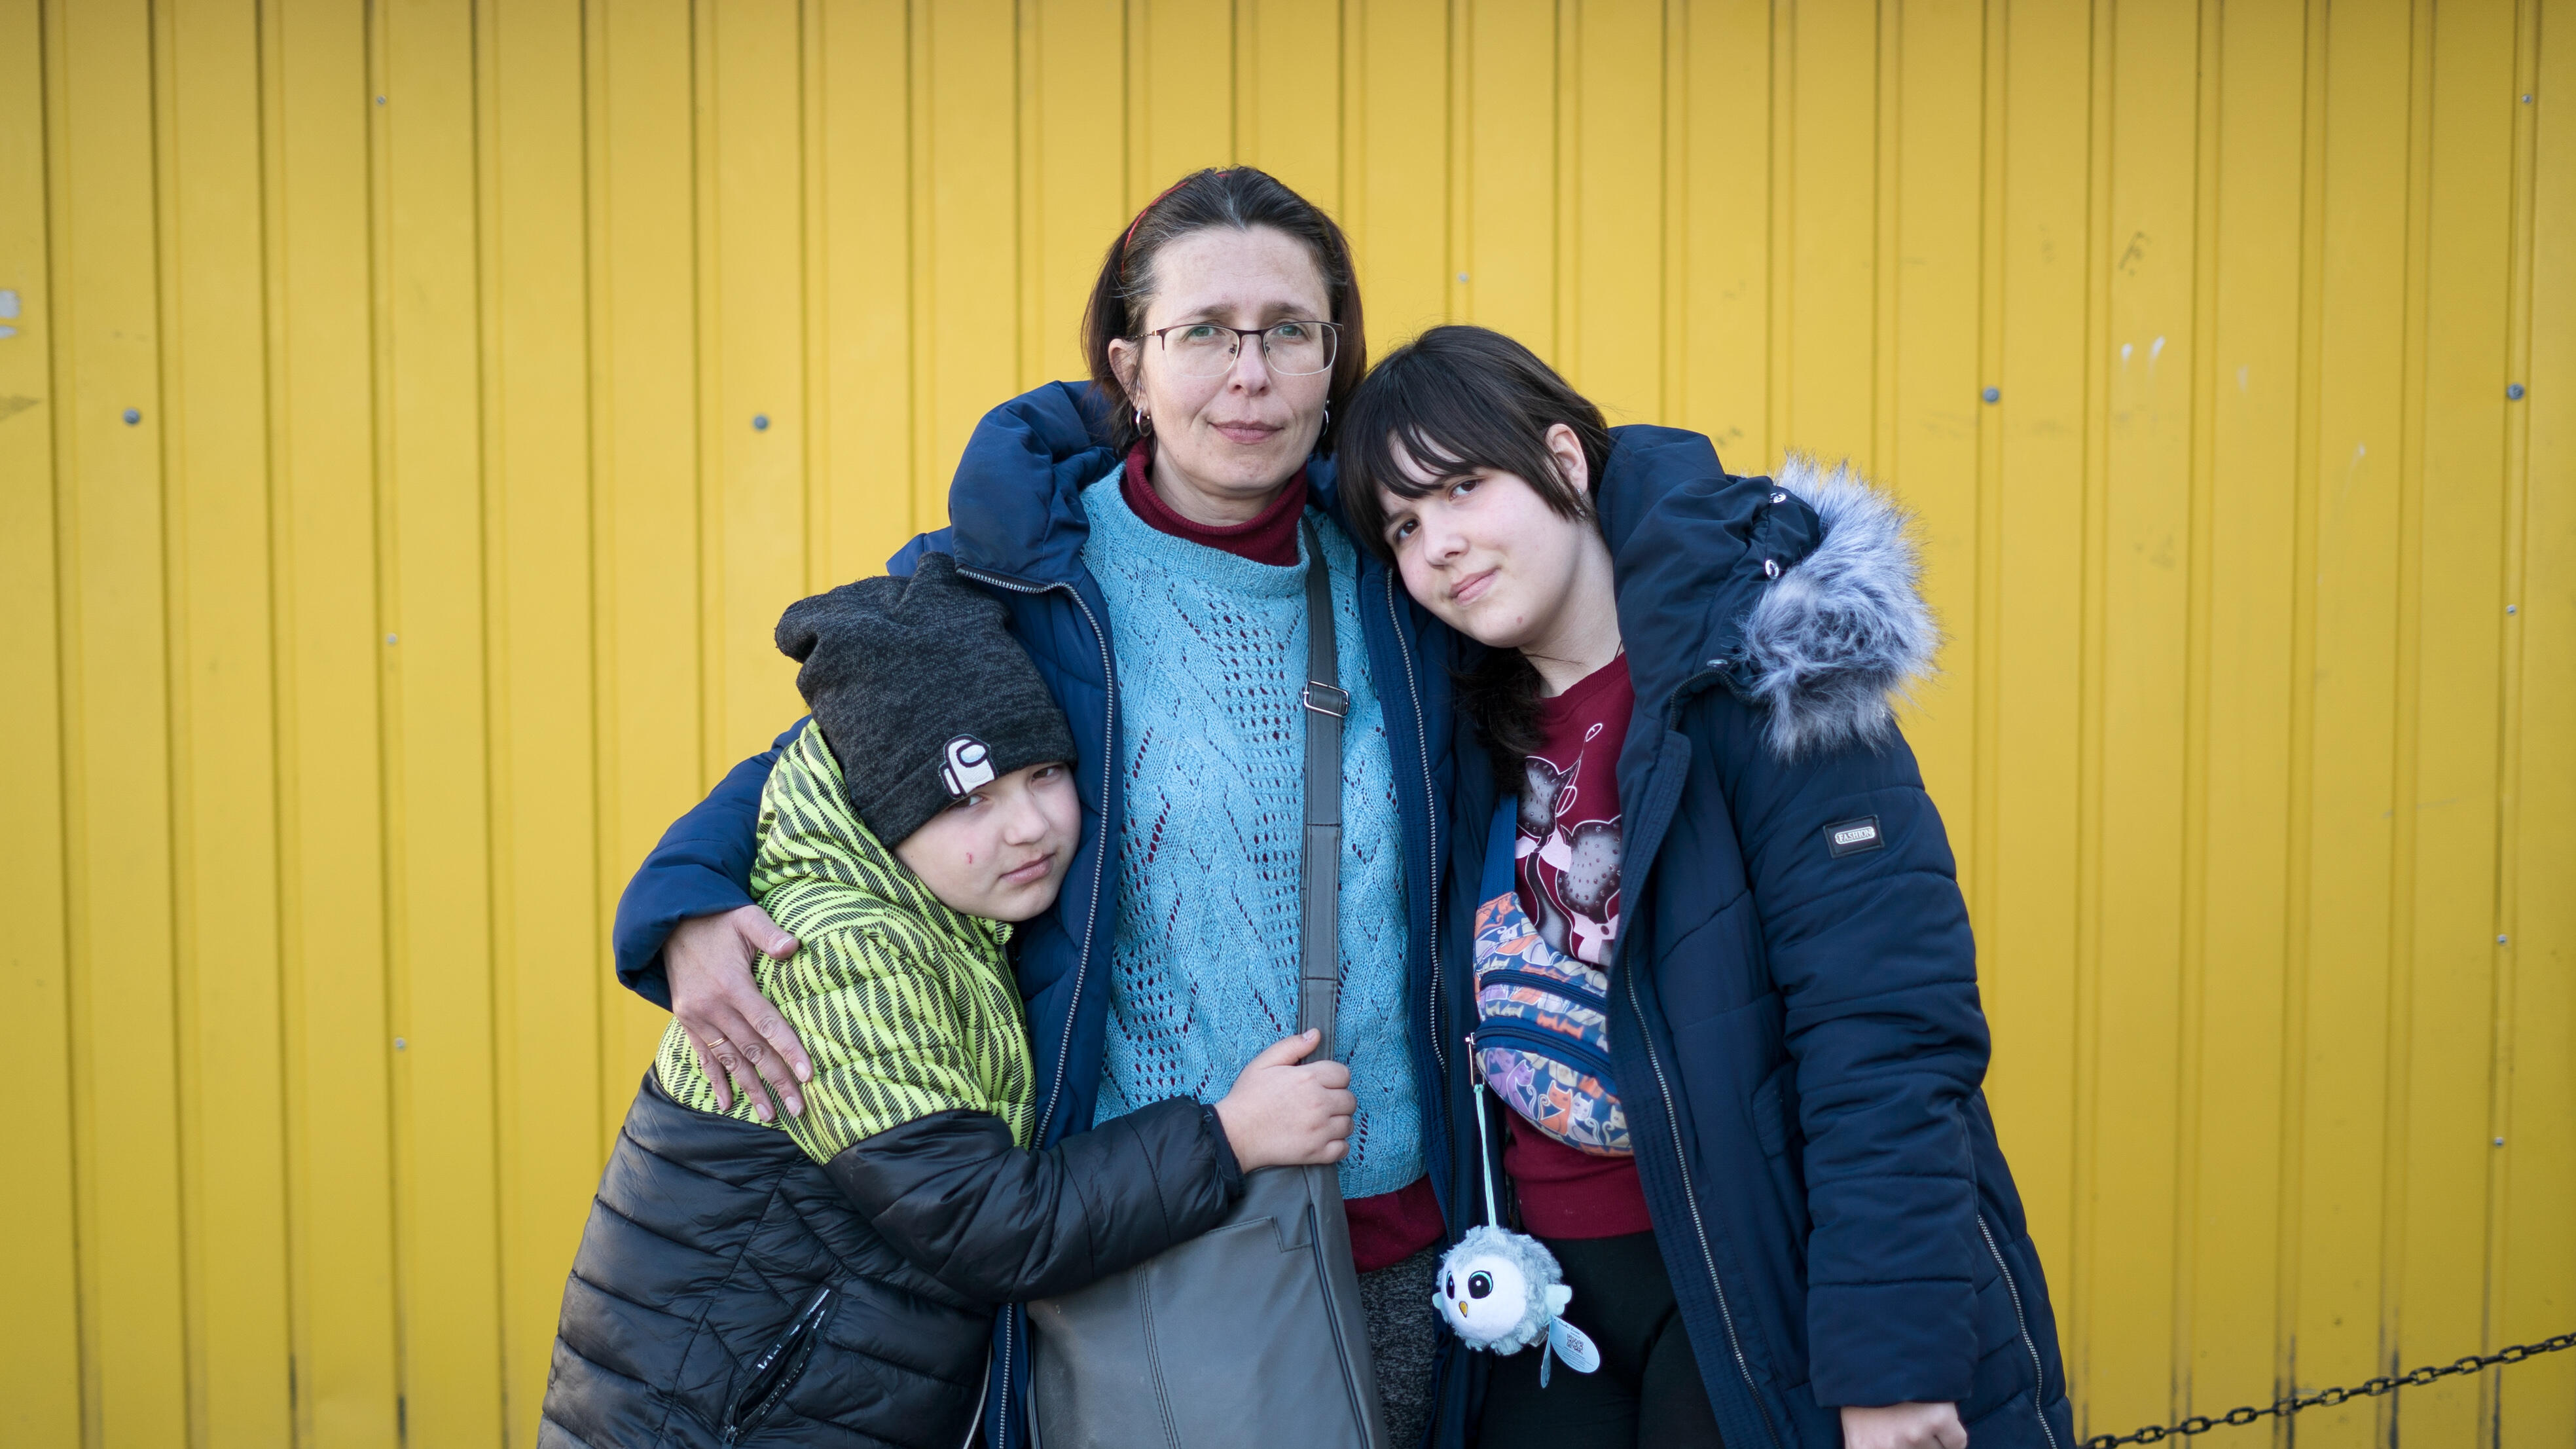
(1794, 1021)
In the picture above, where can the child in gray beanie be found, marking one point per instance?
(834, 1273)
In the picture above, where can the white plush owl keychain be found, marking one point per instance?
(1502, 1290)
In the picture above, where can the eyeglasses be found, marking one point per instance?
(1291, 349)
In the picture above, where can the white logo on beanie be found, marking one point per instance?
(969, 767)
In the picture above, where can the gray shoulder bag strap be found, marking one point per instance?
(1320, 874)
(1251, 1332)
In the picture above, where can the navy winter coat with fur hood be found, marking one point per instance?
(1794, 1021)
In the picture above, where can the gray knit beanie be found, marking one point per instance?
(920, 693)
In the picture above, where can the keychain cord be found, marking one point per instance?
(1484, 1141)
(1485, 1148)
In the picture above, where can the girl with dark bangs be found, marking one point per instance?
(1724, 986)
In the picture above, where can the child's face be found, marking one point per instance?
(1001, 852)
(1487, 554)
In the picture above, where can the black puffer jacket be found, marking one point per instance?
(730, 1290)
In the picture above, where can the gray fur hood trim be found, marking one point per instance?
(1835, 643)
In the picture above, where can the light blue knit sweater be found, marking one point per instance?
(1203, 972)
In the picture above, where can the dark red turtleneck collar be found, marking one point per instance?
(1268, 539)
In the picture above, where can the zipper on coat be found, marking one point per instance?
(1100, 856)
(1681, 1165)
(1431, 815)
(1091, 917)
(983, 1391)
(1699, 1225)
(2038, 1374)
(777, 1370)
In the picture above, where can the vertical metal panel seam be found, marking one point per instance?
(813, 295)
(1672, 276)
(387, 578)
(500, 855)
(1138, 108)
(2092, 629)
(605, 758)
(1457, 259)
(292, 1084)
(1028, 219)
(2303, 691)
(2407, 706)
(706, 321)
(55, 68)
(2509, 816)
(169, 428)
(1887, 203)
(923, 258)
(1780, 274)
(1568, 189)
(1346, 102)
(1986, 701)
(2194, 963)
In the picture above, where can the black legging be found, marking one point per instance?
(1647, 1392)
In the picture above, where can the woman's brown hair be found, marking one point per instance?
(1238, 197)
(1455, 403)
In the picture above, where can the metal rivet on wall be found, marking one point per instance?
(760, 422)
(133, 416)
(393, 638)
(380, 100)
(2509, 608)
(2499, 940)
(1994, 394)
(399, 1043)
(1462, 276)
(2513, 390)
(2499, 1142)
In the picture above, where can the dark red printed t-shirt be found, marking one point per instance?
(1392, 1226)
(1569, 850)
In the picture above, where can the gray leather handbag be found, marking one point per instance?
(1252, 1332)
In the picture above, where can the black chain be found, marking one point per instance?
(2328, 1398)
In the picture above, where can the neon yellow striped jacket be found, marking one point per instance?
(906, 1006)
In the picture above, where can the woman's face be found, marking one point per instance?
(1488, 555)
(1227, 443)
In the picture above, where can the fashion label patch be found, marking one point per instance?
(1849, 837)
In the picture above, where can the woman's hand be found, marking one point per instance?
(1904, 1426)
(741, 1039)
(1281, 1114)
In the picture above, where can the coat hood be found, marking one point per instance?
(1002, 520)
(1802, 592)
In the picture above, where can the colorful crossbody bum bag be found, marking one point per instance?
(1542, 1031)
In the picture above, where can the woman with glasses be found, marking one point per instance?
(1149, 534)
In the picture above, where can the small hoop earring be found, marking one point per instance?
(1144, 424)
(1328, 420)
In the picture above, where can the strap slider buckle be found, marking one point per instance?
(1306, 697)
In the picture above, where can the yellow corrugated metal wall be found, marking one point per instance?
(433, 567)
